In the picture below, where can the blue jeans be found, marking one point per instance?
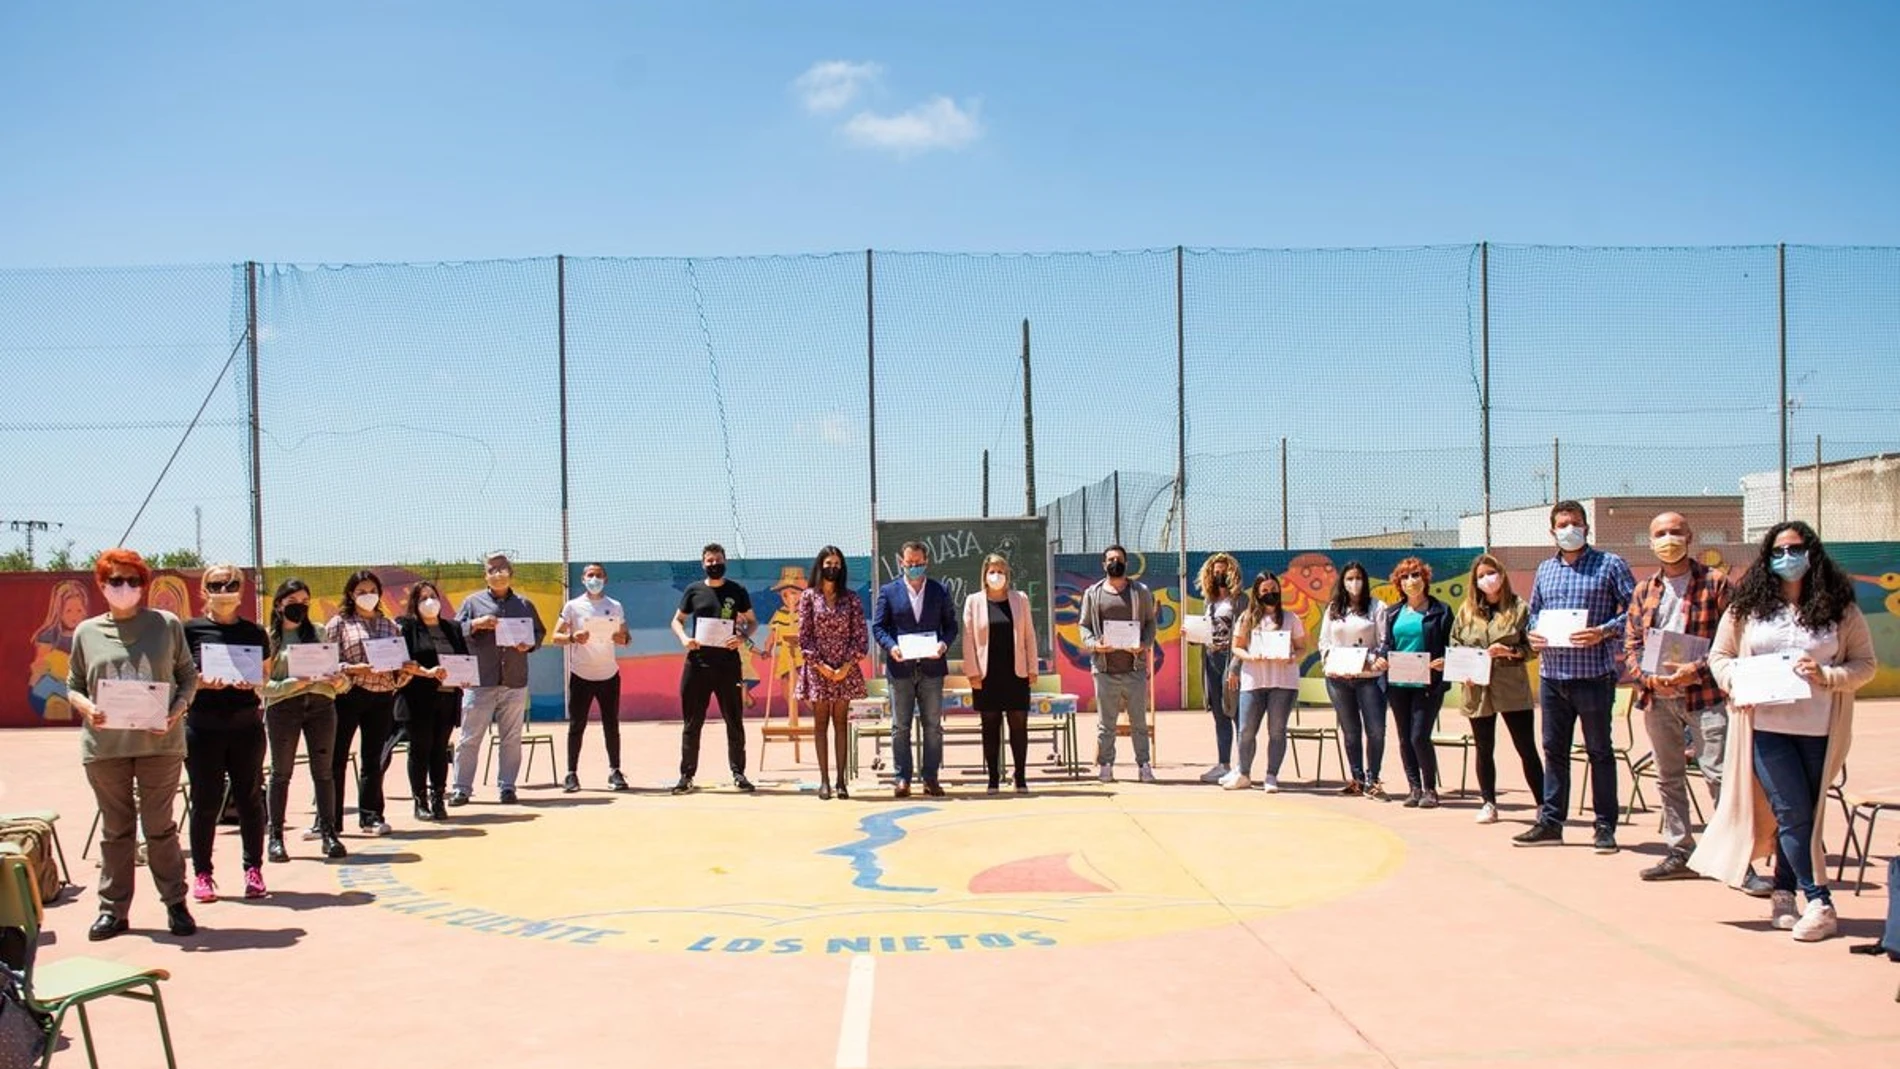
(1568, 702)
(1415, 714)
(1360, 706)
(1275, 706)
(911, 697)
(1793, 774)
(1213, 685)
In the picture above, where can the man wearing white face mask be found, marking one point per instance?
(1578, 679)
(593, 673)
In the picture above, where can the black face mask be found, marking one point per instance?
(1116, 568)
(716, 570)
(296, 613)
(831, 573)
(1270, 600)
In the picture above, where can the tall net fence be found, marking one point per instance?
(604, 408)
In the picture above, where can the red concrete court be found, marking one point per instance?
(1172, 925)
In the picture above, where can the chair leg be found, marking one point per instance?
(164, 1029)
(1852, 843)
(85, 1030)
(1860, 878)
(91, 834)
(488, 759)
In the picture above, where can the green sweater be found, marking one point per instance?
(150, 646)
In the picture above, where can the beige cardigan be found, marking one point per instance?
(1743, 827)
(976, 635)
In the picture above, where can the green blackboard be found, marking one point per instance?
(957, 549)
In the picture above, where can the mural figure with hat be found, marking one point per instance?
(781, 631)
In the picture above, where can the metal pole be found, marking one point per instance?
(257, 460)
(560, 325)
(1817, 483)
(1085, 519)
(986, 483)
(197, 527)
(1484, 362)
(1781, 310)
(1118, 505)
(1556, 470)
(1286, 541)
(870, 385)
(1029, 433)
(1180, 437)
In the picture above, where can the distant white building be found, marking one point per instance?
(1615, 522)
(1856, 500)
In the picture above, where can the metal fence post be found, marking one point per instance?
(257, 460)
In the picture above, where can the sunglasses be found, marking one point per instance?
(229, 586)
(125, 580)
(1788, 551)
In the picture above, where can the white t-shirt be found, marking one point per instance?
(1283, 675)
(1783, 631)
(1672, 613)
(594, 660)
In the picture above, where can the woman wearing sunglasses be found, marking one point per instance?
(224, 732)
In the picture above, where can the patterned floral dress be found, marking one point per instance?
(833, 635)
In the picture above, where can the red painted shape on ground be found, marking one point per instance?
(1050, 872)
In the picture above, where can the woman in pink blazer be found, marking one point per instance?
(999, 656)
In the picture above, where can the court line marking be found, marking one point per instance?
(854, 1029)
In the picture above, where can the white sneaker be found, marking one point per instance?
(1106, 774)
(1818, 922)
(1487, 813)
(1214, 775)
(1781, 911)
(1271, 785)
(1147, 773)
(1235, 781)
(381, 827)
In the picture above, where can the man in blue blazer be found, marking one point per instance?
(912, 605)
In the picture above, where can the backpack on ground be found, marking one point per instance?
(34, 838)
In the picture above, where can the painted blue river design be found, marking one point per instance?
(880, 830)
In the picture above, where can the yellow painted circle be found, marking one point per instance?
(731, 874)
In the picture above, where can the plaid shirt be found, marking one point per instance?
(1702, 607)
(1598, 582)
(348, 632)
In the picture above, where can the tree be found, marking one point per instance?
(180, 559)
(15, 560)
(61, 559)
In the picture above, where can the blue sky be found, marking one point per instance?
(193, 133)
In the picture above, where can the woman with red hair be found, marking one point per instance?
(1419, 623)
(134, 771)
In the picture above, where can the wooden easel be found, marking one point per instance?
(791, 728)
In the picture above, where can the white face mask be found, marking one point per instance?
(1490, 583)
(594, 584)
(368, 602)
(123, 597)
(1570, 538)
(430, 607)
(998, 580)
(1354, 586)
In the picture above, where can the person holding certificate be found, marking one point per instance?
(224, 731)
(914, 623)
(130, 679)
(1416, 632)
(1578, 604)
(999, 656)
(1494, 620)
(301, 702)
(361, 632)
(1792, 628)
(832, 640)
(720, 615)
(1672, 620)
(501, 628)
(1268, 642)
(428, 705)
(1348, 631)
(1117, 621)
(1221, 595)
(590, 626)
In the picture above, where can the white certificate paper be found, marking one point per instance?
(231, 664)
(1409, 668)
(1197, 629)
(1670, 647)
(711, 630)
(1274, 645)
(1468, 664)
(462, 672)
(1121, 634)
(1557, 625)
(133, 704)
(1346, 660)
(514, 631)
(1766, 680)
(311, 660)
(918, 646)
(386, 654)
(601, 628)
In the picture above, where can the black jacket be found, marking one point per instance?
(1437, 634)
(423, 651)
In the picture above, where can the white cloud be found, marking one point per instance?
(833, 84)
(937, 123)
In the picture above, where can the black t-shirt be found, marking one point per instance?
(727, 601)
(226, 705)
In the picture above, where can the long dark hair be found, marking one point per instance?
(349, 588)
(1256, 610)
(414, 606)
(1344, 602)
(818, 572)
(306, 631)
(1826, 591)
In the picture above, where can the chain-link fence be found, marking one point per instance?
(1175, 400)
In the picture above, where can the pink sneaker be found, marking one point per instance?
(203, 888)
(254, 883)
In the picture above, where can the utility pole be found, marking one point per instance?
(198, 528)
(30, 526)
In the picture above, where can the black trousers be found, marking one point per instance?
(211, 754)
(374, 714)
(1484, 730)
(581, 694)
(1414, 713)
(430, 719)
(1018, 743)
(314, 717)
(699, 686)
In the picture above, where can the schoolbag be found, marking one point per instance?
(33, 837)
